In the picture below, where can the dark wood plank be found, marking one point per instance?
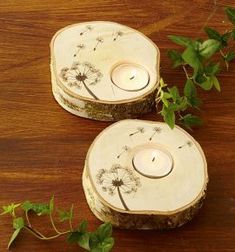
(42, 147)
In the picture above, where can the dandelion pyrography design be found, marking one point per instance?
(120, 180)
(81, 74)
(79, 48)
(138, 130)
(99, 40)
(87, 29)
(118, 34)
(155, 131)
(188, 143)
(124, 149)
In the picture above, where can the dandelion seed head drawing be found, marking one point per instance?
(118, 179)
(81, 74)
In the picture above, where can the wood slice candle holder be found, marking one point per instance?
(141, 174)
(104, 71)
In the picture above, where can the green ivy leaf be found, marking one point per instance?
(168, 116)
(167, 95)
(164, 99)
(27, 206)
(83, 226)
(190, 120)
(105, 246)
(73, 237)
(209, 47)
(195, 102)
(13, 237)
(212, 69)
(94, 240)
(200, 77)
(215, 82)
(84, 241)
(182, 103)
(230, 12)
(64, 215)
(211, 81)
(108, 244)
(190, 91)
(180, 40)
(196, 44)
(162, 84)
(10, 209)
(225, 37)
(212, 33)
(41, 209)
(38, 208)
(174, 93)
(207, 85)
(104, 231)
(18, 223)
(175, 56)
(190, 56)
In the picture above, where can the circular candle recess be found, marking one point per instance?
(130, 77)
(144, 175)
(104, 71)
(152, 162)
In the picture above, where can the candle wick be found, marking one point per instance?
(153, 159)
(132, 77)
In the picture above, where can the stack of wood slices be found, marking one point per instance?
(137, 174)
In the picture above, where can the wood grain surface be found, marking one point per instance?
(43, 147)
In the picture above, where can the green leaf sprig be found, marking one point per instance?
(100, 240)
(200, 63)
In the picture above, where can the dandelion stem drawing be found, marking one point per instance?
(188, 143)
(89, 91)
(118, 179)
(125, 149)
(87, 28)
(139, 130)
(117, 34)
(121, 198)
(80, 47)
(99, 40)
(81, 75)
(156, 130)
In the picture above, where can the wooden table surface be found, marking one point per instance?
(43, 147)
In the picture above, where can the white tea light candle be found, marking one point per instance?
(152, 162)
(130, 77)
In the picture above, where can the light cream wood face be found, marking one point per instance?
(105, 61)
(137, 165)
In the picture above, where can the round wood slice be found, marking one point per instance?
(142, 174)
(104, 70)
